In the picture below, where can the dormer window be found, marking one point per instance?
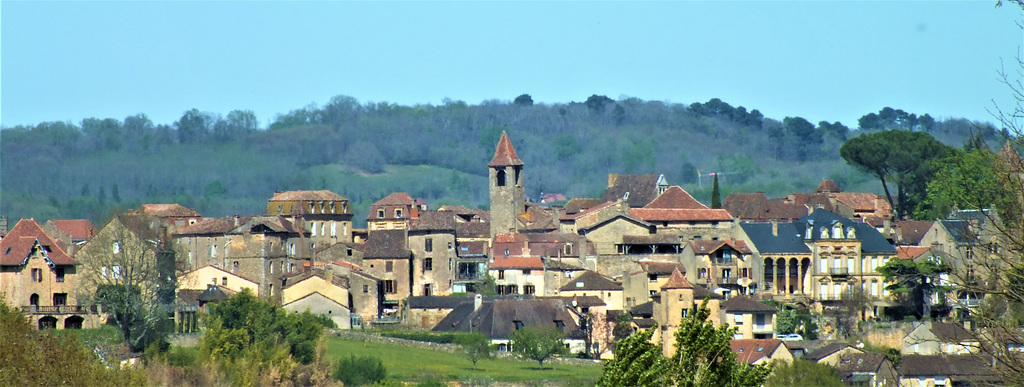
(311, 206)
(824, 233)
(321, 207)
(398, 212)
(332, 207)
(850, 233)
(380, 213)
(837, 231)
(518, 324)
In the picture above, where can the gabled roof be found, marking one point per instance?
(677, 281)
(321, 195)
(213, 293)
(18, 244)
(739, 304)
(517, 262)
(215, 226)
(956, 367)
(860, 362)
(75, 228)
(676, 197)
(864, 201)
(912, 231)
(396, 199)
(645, 309)
(641, 189)
(576, 205)
(751, 350)
(952, 333)
(434, 221)
(471, 248)
(911, 252)
(504, 153)
(269, 224)
(591, 281)
(680, 215)
(652, 267)
(828, 185)
(165, 210)
(747, 206)
(872, 241)
(387, 244)
(827, 350)
(473, 229)
(707, 246)
(497, 318)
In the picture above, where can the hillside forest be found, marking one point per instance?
(224, 165)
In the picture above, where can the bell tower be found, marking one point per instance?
(506, 185)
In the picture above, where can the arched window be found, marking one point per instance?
(33, 299)
(500, 180)
(850, 233)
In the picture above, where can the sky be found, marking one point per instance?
(834, 61)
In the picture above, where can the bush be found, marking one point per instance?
(358, 371)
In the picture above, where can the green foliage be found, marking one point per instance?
(537, 343)
(970, 181)
(637, 362)
(476, 346)
(488, 287)
(801, 372)
(716, 194)
(430, 337)
(785, 321)
(623, 325)
(360, 370)
(523, 100)
(913, 282)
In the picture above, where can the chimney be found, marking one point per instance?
(612, 177)
(329, 274)
(478, 301)
(236, 220)
(775, 227)
(3, 225)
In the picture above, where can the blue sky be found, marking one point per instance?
(835, 61)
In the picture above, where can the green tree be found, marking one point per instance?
(360, 370)
(716, 194)
(801, 372)
(900, 157)
(637, 362)
(523, 100)
(623, 326)
(914, 282)
(537, 344)
(967, 180)
(597, 103)
(476, 346)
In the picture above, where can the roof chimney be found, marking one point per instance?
(478, 301)
(612, 177)
(775, 227)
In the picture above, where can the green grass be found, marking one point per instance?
(418, 365)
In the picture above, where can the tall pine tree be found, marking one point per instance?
(716, 195)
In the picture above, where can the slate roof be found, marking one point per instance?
(912, 231)
(860, 362)
(323, 195)
(652, 267)
(562, 265)
(959, 231)
(827, 350)
(386, 244)
(705, 246)
(872, 241)
(652, 239)
(789, 239)
(581, 301)
(676, 215)
(642, 189)
(952, 333)
(677, 281)
(213, 293)
(19, 242)
(739, 304)
(165, 210)
(645, 309)
(434, 221)
(437, 302)
(496, 318)
(676, 197)
(956, 367)
(752, 350)
(504, 153)
(269, 224)
(591, 281)
(828, 185)
(75, 228)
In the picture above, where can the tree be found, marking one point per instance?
(360, 370)
(637, 362)
(524, 100)
(537, 343)
(476, 346)
(801, 372)
(623, 326)
(716, 194)
(914, 282)
(596, 103)
(849, 310)
(900, 157)
(969, 181)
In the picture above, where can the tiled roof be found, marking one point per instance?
(386, 244)
(677, 281)
(952, 333)
(517, 262)
(642, 189)
(581, 301)
(576, 205)
(657, 239)
(537, 219)
(707, 246)
(269, 224)
(473, 229)
(590, 281)
(752, 350)
(645, 309)
(911, 252)
(213, 293)
(471, 248)
(435, 221)
(652, 267)
(676, 197)
(497, 318)
(562, 265)
(828, 185)
(956, 367)
(664, 214)
(212, 226)
(324, 195)
(828, 349)
(747, 206)
(144, 227)
(165, 210)
(437, 302)
(588, 211)
(860, 362)
(395, 199)
(862, 201)
(912, 231)
(17, 245)
(504, 153)
(76, 228)
(745, 304)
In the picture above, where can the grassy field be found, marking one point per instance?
(419, 365)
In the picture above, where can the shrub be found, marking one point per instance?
(358, 371)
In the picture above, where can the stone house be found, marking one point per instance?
(432, 241)
(595, 285)
(70, 233)
(636, 190)
(867, 369)
(325, 214)
(676, 300)
(387, 257)
(320, 294)
(752, 319)
(760, 351)
(498, 318)
(172, 215)
(936, 338)
(947, 370)
(640, 285)
(726, 264)
(201, 278)
(393, 212)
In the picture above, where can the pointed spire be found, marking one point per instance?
(505, 154)
(676, 281)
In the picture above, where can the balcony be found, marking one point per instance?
(479, 276)
(764, 328)
(59, 309)
(840, 271)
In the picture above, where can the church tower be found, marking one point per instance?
(506, 185)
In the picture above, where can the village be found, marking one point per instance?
(646, 250)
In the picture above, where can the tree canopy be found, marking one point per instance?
(537, 344)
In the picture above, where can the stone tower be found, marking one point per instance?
(506, 185)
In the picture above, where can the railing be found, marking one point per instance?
(762, 328)
(470, 277)
(59, 309)
(839, 270)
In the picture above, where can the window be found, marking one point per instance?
(560, 324)
(116, 247)
(518, 324)
(223, 281)
(398, 212)
(702, 273)
(500, 178)
(234, 265)
(389, 266)
(428, 264)
(529, 289)
(60, 299)
(271, 291)
(426, 290)
(428, 245)
(366, 288)
(746, 273)
(313, 229)
(389, 286)
(348, 251)
(726, 273)
(652, 277)
(380, 213)
(568, 249)
(501, 274)
(527, 272)
(686, 312)
(60, 274)
(37, 275)
(738, 319)
(323, 228)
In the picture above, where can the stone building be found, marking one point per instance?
(505, 179)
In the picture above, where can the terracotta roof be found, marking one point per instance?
(661, 267)
(956, 367)
(863, 201)
(828, 185)
(911, 252)
(211, 226)
(471, 248)
(912, 231)
(347, 264)
(676, 197)
(747, 206)
(860, 362)
(751, 350)
(706, 246)
(590, 281)
(677, 281)
(517, 262)
(745, 304)
(396, 199)
(165, 210)
(18, 244)
(641, 189)
(434, 221)
(663, 214)
(75, 228)
(306, 196)
(504, 153)
(588, 211)
(537, 219)
(386, 244)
